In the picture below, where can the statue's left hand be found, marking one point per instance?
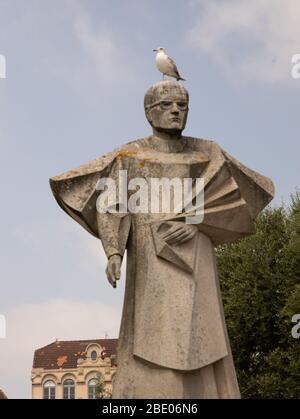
(113, 269)
(180, 233)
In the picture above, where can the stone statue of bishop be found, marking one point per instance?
(173, 341)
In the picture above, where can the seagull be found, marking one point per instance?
(165, 64)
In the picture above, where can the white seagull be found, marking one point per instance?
(165, 64)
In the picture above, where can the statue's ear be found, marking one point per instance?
(148, 115)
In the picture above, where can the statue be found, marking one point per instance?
(173, 340)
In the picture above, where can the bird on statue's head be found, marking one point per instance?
(166, 65)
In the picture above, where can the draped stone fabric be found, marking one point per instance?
(173, 333)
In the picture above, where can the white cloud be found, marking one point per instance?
(31, 326)
(97, 59)
(72, 237)
(91, 255)
(90, 251)
(99, 46)
(254, 39)
(28, 238)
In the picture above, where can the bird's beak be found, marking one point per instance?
(155, 50)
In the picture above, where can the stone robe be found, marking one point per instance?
(173, 340)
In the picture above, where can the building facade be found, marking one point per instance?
(2, 395)
(73, 369)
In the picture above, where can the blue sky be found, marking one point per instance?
(77, 71)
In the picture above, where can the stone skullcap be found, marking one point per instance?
(162, 89)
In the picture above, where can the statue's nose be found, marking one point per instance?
(175, 108)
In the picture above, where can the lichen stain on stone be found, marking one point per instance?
(143, 161)
(126, 153)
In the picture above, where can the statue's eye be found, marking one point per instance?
(182, 105)
(166, 105)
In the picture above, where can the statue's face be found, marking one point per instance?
(169, 113)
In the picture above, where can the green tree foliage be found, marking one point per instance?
(260, 281)
(101, 392)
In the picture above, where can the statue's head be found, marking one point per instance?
(166, 106)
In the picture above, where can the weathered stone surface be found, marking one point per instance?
(173, 341)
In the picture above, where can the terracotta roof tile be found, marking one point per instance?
(64, 354)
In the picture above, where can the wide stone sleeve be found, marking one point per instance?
(114, 230)
(257, 190)
(233, 196)
(77, 192)
(233, 199)
(113, 219)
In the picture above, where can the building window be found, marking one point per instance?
(49, 390)
(92, 385)
(69, 389)
(94, 356)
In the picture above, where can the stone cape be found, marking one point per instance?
(75, 190)
(172, 315)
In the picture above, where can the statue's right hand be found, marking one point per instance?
(113, 269)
